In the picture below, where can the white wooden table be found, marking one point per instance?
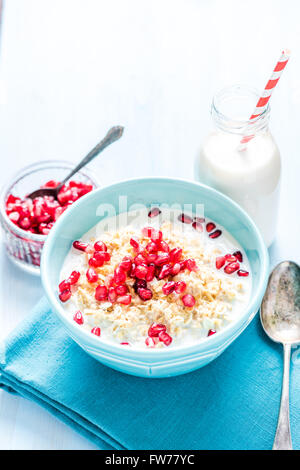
(69, 69)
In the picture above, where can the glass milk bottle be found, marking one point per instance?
(248, 173)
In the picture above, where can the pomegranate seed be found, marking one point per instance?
(238, 255)
(25, 223)
(220, 261)
(134, 243)
(230, 258)
(125, 344)
(154, 212)
(175, 255)
(150, 273)
(148, 231)
(242, 273)
(78, 318)
(164, 246)
(139, 283)
(152, 247)
(140, 259)
(80, 245)
(156, 235)
(185, 219)
(145, 294)
(211, 332)
(155, 329)
(100, 246)
(101, 293)
(64, 285)
(168, 287)
(210, 226)
(162, 259)
(126, 263)
(14, 216)
(74, 277)
(50, 184)
(141, 271)
(182, 265)
(150, 342)
(151, 258)
(231, 268)
(112, 295)
(197, 226)
(124, 299)
(180, 287)
(122, 289)
(215, 234)
(100, 257)
(91, 275)
(188, 300)
(96, 331)
(132, 271)
(165, 338)
(191, 265)
(119, 276)
(165, 271)
(175, 269)
(199, 220)
(94, 263)
(65, 295)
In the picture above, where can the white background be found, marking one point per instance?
(70, 69)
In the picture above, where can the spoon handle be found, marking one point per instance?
(283, 439)
(113, 134)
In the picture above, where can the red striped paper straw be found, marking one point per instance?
(269, 88)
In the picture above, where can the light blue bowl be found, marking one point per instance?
(79, 218)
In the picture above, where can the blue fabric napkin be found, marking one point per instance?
(230, 404)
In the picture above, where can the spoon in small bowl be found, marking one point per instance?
(113, 134)
(280, 318)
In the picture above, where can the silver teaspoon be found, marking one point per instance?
(280, 318)
(113, 134)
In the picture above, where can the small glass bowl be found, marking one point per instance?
(25, 248)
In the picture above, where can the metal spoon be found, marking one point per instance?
(280, 318)
(113, 134)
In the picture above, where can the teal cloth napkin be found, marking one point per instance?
(230, 404)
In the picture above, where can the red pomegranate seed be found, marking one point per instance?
(168, 287)
(112, 295)
(180, 287)
(155, 329)
(175, 269)
(150, 342)
(191, 265)
(197, 226)
(139, 283)
(134, 243)
(126, 263)
(78, 317)
(230, 258)
(152, 247)
(150, 273)
(64, 285)
(141, 271)
(91, 275)
(188, 300)
(175, 255)
(140, 259)
(132, 271)
(165, 271)
(100, 246)
(231, 268)
(144, 293)
(185, 219)
(80, 245)
(101, 257)
(65, 295)
(148, 231)
(210, 226)
(163, 246)
(165, 338)
(124, 299)
(74, 277)
(151, 258)
(211, 332)
(238, 255)
(215, 234)
(154, 212)
(25, 223)
(125, 344)
(243, 273)
(122, 289)
(182, 265)
(96, 331)
(101, 293)
(162, 259)
(119, 276)
(14, 216)
(220, 261)
(50, 184)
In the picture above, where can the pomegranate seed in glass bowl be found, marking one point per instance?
(23, 238)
